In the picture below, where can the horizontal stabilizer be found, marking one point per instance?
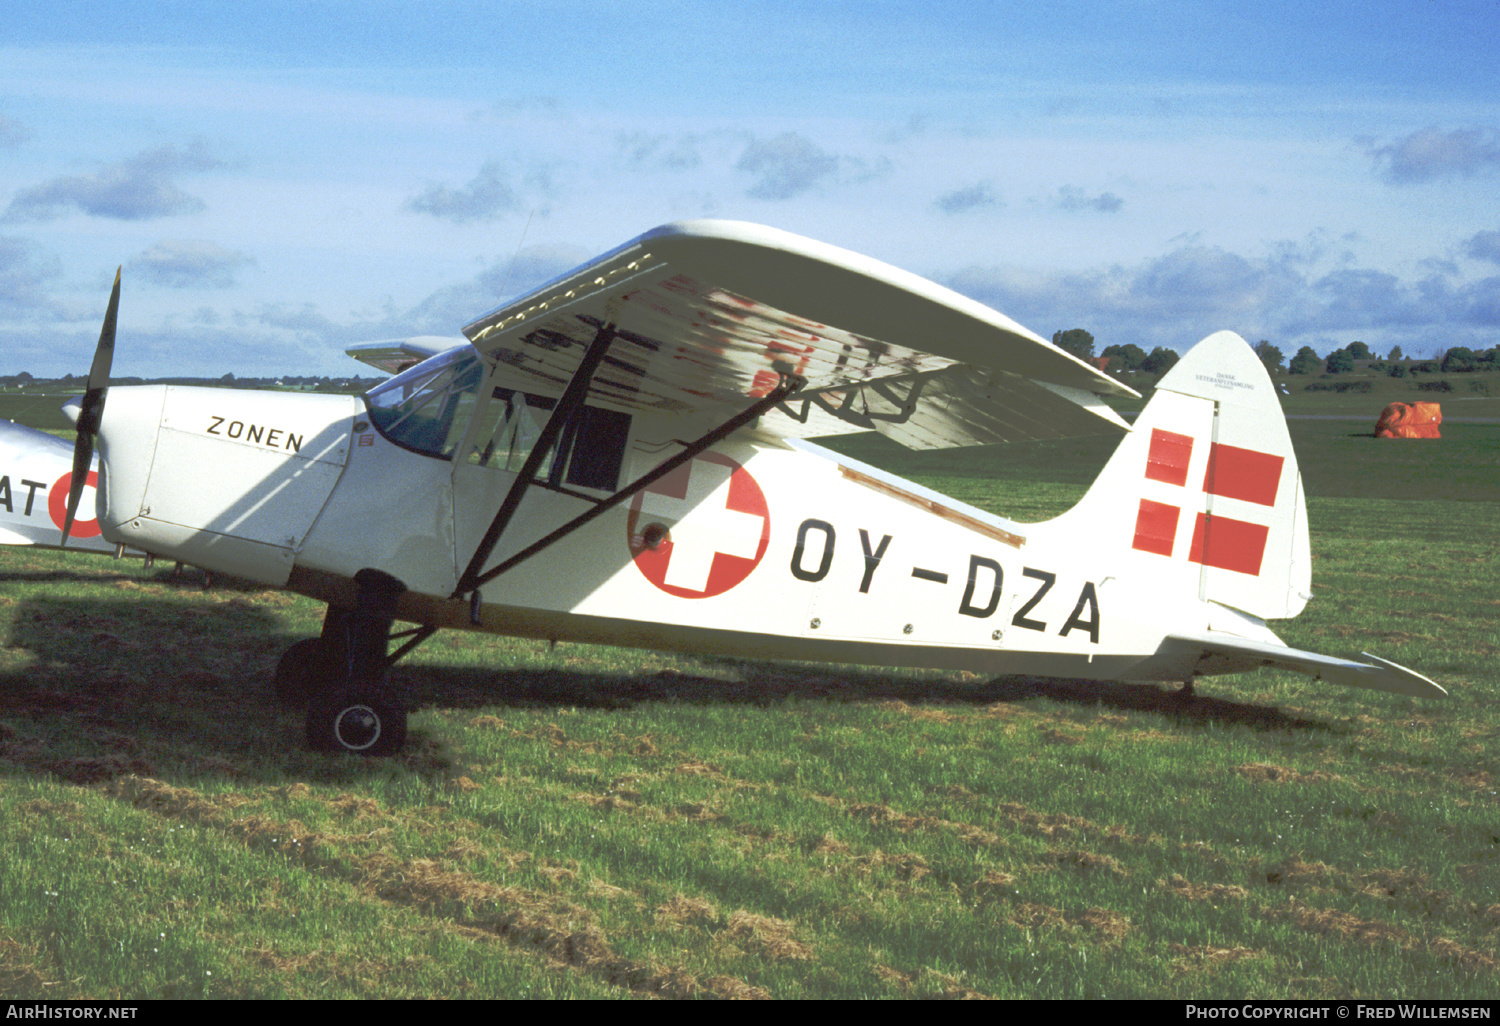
(1228, 654)
(395, 355)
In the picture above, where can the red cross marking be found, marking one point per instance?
(701, 529)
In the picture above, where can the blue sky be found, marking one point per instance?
(282, 179)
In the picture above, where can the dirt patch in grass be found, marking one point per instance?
(1183, 887)
(764, 936)
(1294, 872)
(1402, 889)
(1107, 923)
(22, 974)
(1206, 956)
(1343, 925)
(688, 911)
(885, 816)
(935, 714)
(1266, 773)
(1087, 862)
(1349, 927)
(928, 983)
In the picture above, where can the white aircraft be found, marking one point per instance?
(36, 474)
(619, 457)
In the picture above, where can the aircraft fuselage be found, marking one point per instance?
(756, 547)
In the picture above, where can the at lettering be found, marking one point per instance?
(7, 501)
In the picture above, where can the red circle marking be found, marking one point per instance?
(726, 569)
(57, 505)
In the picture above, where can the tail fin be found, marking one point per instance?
(1204, 493)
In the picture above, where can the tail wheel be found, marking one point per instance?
(362, 721)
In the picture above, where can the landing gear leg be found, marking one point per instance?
(1187, 689)
(359, 713)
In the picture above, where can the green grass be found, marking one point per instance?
(590, 822)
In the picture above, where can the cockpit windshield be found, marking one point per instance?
(426, 408)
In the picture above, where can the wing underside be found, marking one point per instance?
(715, 313)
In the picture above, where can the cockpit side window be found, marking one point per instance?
(589, 454)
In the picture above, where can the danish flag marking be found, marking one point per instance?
(1228, 544)
(1242, 474)
(716, 525)
(1233, 473)
(1156, 527)
(1168, 459)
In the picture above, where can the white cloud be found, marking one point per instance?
(1483, 246)
(1430, 154)
(189, 263)
(786, 166)
(1070, 197)
(138, 188)
(960, 201)
(487, 197)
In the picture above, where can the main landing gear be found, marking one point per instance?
(340, 676)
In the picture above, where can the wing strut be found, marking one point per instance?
(472, 580)
(572, 398)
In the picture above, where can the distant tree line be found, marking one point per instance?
(1457, 360)
(1132, 358)
(312, 382)
(1124, 358)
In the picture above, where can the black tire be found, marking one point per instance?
(305, 670)
(362, 721)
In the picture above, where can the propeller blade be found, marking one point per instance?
(91, 411)
(83, 455)
(104, 355)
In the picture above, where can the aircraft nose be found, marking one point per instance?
(127, 444)
(72, 409)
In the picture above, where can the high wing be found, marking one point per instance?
(713, 313)
(395, 355)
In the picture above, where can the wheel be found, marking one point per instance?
(361, 720)
(305, 669)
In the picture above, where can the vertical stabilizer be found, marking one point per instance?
(1204, 495)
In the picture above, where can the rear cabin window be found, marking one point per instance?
(427, 408)
(589, 453)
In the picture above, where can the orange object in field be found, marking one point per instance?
(1410, 420)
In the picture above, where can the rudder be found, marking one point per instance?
(1204, 493)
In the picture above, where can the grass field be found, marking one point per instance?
(588, 822)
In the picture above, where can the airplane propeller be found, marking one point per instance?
(91, 411)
